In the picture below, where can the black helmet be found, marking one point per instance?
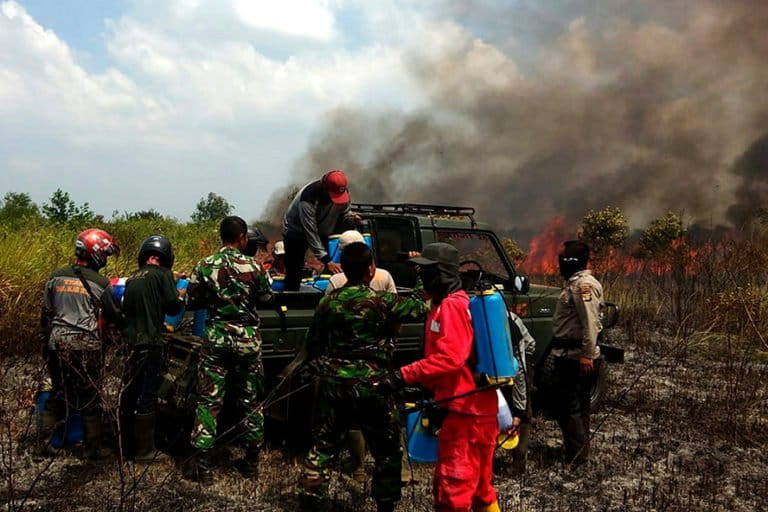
(159, 246)
(256, 239)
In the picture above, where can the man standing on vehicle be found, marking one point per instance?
(576, 325)
(75, 301)
(150, 294)
(318, 210)
(468, 434)
(229, 284)
(351, 343)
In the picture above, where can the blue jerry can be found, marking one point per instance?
(174, 321)
(493, 339)
(421, 443)
(333, 248)
(198, 322)
(73, 427)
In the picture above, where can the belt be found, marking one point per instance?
(566, 343)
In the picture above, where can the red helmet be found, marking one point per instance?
(95, 245)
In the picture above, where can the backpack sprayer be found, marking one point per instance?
(494, 363)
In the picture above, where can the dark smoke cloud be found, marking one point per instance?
(648, 109)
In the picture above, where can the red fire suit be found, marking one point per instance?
(468, 436)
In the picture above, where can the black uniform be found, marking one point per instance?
(150, 294)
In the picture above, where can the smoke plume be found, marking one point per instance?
(648, 111)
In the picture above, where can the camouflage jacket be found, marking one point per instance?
(229, 285)
(352, 335)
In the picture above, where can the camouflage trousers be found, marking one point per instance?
(216, 362)
(340, 407)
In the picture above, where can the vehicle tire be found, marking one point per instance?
(599, 387)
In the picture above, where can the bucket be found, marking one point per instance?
(368, 240)
(173, 322)
(322, 282)
(73, 426)
(421, 443)
(493, 339)
(278, 284)
(333, 248)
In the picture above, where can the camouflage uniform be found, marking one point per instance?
(229, 284)
(352, 340)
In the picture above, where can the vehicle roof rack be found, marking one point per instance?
(416, 209)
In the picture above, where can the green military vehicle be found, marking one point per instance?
(397, 229)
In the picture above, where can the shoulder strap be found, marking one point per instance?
(94, 302)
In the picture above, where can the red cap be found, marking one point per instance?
(336, 184)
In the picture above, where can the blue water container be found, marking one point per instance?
(493, 339)
(421, 443)
(198, 322)
(73, 426)
(173, 322)
(368, 240)
(278, 284)
(118, 289)
(322, 282)
(333, 248)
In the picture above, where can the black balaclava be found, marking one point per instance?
(440, 280)
(573, 258)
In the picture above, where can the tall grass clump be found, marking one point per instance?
(30, 251)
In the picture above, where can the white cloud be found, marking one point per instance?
(183, 106)
(303, 18)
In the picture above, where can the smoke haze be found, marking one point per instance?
(648, 106)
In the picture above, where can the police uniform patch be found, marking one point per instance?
(586, 292)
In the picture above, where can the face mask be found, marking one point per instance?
(430, 276)
(569, 266)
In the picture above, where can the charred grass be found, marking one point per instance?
(684, 425)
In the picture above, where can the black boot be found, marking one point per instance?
(92, 430)
(248, 466)
(575, 440)
(198, 469)
(386, 506)
(144, 439)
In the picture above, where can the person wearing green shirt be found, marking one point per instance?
(150, 294)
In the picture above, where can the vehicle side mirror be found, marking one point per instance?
(519, 284)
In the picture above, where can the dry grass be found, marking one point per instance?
(685, 426)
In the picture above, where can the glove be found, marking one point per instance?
(392, 383)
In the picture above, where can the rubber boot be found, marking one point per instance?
(48, 423)
(520, 453)
(144, 439)
(493, 507)
(199, 469)
(386, 506)
(311, 503)
(248, 466)
(356, 446)
(92, 430)
(574, 439)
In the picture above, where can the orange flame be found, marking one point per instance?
(544, 248)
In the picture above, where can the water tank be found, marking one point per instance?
(493, 339)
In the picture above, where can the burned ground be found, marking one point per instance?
(684, 427)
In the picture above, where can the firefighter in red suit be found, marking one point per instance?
(468, 435)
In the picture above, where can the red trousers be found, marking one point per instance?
(463, 473)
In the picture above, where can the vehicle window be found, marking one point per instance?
(394, 238)
(476, 246)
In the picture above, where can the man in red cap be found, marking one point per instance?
(320, 209)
